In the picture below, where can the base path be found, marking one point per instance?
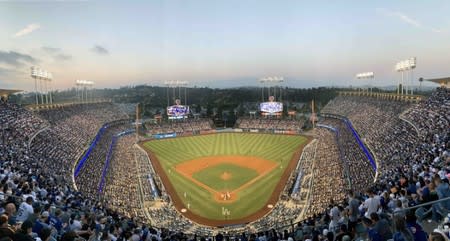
(178, 203)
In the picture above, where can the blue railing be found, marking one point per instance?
(83, 159)
(361, 144)
(106, 166)
(109, 156)
(355, 134)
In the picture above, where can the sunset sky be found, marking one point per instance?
(221, 43)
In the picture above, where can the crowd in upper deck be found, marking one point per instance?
(38, 150)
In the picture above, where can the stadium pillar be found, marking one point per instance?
(403, 85)
(51, 98)
(36, 90)
(41, 90)
(406, 83)
(46, 91)
(262, 93)
(167, 95)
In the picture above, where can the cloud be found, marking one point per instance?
(8, 76)
(407, 19)
(16, 59)
(435, 30)
(5, 72)
(51, 50)
(63, 57)
(27, 30)
(100, 50)
(56, 53)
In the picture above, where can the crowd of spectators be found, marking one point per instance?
(37, 195)
(37, 202)
(419, 177)
(270, 124)
(302, 175)
(17, 128)
(71, 130)
(378, 123)
(146, 173)
(328, 180)
(356, 165)
(89, 178)
(122, 190)
(181, 127)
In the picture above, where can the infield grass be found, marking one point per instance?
(275, 148)
(225, 177)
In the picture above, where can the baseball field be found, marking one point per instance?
(225, 178)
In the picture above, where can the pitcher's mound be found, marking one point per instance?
(225, 176)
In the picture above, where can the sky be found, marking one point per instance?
(221, 43)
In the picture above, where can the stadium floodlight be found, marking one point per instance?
(365, 75)
(406, 66)
(270, 81)
(83, 89)
(45, 79)
(174, 84)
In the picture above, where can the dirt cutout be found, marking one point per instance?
(226, 176)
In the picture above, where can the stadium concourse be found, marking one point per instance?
(371, 161)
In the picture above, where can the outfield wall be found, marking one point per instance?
(223, 130)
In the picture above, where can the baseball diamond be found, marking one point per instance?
(239, 172)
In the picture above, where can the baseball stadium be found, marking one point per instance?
(176, 121)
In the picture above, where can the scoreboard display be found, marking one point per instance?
(271, 107)
(177, 111)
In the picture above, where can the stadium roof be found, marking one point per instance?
(4, 92)
(444, 82)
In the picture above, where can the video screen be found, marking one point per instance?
(271, 107)
(177, 111)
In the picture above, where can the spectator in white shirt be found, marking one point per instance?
(372, 204)
(25, 210)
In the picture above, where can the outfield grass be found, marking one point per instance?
(211, 176)
(276, 148)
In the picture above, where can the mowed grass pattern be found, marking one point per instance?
(276, 148)
(212, 176)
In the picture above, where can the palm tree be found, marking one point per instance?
(420, 85)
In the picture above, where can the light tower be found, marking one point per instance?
(44, 77)
(406, 66)
(271, 81)
(366, 75)
(84, 86)
(174, 84)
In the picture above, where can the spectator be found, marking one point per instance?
(5, 229)
(24, 233)
(25, 210)
(402, 233)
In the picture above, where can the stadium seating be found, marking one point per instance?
(39, 150)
